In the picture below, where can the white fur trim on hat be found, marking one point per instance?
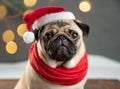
(52, 17)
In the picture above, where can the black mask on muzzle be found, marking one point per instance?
(61, 49)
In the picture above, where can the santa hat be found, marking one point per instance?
(42, 16)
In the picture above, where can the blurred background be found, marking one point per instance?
(102, 16)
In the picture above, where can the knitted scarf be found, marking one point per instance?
(59, 75)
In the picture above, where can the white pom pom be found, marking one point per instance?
(28, 37)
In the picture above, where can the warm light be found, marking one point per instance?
(11, 47)
(8, 35)
(30, 3)
(79, 21)
(51, 0)
(27, 11)
(3, 11)
(21, 29)
(85, 6)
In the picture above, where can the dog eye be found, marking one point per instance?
(48, 35)
(73, 34)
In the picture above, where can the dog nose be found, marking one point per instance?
(61, 37)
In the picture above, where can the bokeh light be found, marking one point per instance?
(11, 47)
(51, 0)
(26, 12)
(21, 29)
(3, 11)
(78, 20)
(85, 6)
(8, 35)
(30, 3)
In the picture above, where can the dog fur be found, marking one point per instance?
(31, 80)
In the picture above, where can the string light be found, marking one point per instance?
(30, 3)
(11, 47)
(51, 0)
(26, 12)
(8, 35)
(21, 29)
(85, 6)
(3, 11)
(79, 21)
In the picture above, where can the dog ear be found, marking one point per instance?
(83, 27)
(37, 32)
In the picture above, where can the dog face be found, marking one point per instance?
(60, 40)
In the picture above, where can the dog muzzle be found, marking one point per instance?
(61, 49)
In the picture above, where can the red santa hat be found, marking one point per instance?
(42, 16)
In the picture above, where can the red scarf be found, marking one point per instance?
(59, 75)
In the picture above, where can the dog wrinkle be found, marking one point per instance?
(59, 23)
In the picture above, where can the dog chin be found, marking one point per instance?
(61, 54)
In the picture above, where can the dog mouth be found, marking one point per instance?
(61, 49)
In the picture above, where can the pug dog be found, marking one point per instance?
(60, 47)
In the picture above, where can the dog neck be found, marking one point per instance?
(59, 75)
